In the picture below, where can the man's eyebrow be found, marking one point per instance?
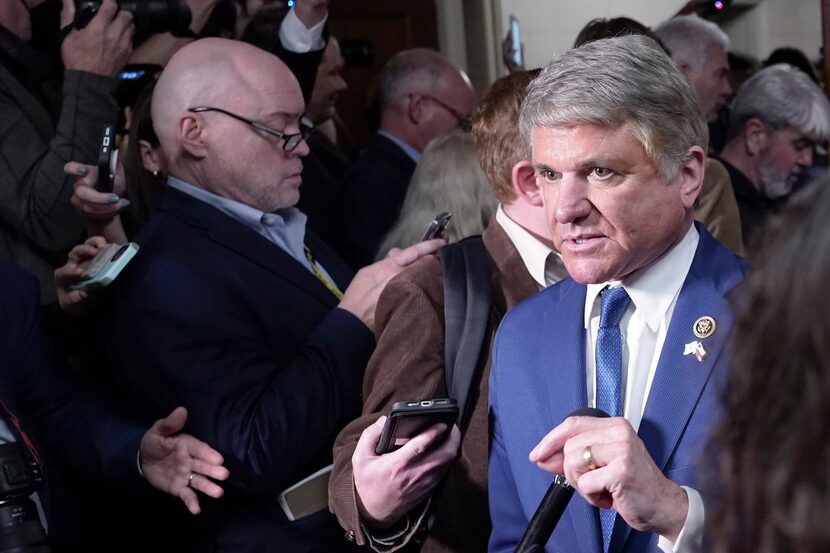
(598, 162)
(541, 168)
(283, 114)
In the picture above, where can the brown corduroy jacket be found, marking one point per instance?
(408, 364)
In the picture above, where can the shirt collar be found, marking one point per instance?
(289, 221)
(653, 289)
(408, 150)
(534, 253)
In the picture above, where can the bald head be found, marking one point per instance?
(242, 143)
(214, 72)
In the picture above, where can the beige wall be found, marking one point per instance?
(550, 26)
(775, 23)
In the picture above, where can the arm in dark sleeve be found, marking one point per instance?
(201, 346)
(34, 192)
(66, 416)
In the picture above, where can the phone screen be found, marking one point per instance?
(515, 37)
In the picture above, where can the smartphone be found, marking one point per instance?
(407, 419)
(102, 269)
(516, 40)
(107, 160)
(437, 227)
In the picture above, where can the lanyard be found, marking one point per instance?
(320, 276)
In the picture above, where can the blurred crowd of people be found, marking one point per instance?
(648, 207)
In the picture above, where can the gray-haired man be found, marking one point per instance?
(776, 117)
(617, 142)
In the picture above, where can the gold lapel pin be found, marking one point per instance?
(704, 327)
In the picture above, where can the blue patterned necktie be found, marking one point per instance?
(613, 303)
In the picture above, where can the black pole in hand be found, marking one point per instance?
(552, 506)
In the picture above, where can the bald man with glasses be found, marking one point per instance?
(238, 312)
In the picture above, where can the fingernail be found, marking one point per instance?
(113, 198)
(81, 170)
(533, 455)
(125, 203)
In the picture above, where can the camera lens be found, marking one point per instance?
(149, 16)
(158, 16)
(20, 528)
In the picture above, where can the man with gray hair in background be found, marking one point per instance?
(617, 142)
(422, 96)
(699, 48)
(777, 116)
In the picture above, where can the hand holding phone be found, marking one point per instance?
(437, 227)
(102, 269)
(407, 419)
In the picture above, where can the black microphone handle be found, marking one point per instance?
(552, 506)
(546, 517)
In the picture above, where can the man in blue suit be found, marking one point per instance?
(235, 310)
(618, 144)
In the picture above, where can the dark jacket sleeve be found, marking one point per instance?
(67, 418)
(34, 192)
(270, 405)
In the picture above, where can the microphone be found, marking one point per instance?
(552, 506)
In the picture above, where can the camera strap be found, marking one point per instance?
(31, 450)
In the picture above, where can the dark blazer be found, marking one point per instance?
(212, 316)
(73, 429)
(409, 364)
(370, 201)
(323, 168)
(538, 378)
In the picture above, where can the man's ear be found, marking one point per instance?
(415, 106)
(524, 183)
(755, 136)
(190, 130)
(691, 176)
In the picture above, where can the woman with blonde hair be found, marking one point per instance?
(448, 178)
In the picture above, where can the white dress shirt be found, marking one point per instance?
(544, 264)
(296, 37)
(653, 294)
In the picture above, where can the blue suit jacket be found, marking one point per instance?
(538, 378)
(213, 316)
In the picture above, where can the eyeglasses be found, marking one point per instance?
(465, 122)
(289, 141)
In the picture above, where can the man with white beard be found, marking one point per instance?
(777, 116)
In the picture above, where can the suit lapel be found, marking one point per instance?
(680, 379)
(567, 391)
(236, 237)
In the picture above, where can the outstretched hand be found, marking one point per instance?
(168, 459)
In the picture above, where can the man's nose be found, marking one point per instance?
(805, 157)
(572, 201)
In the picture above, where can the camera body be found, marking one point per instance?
(20, 477)
(149, 16)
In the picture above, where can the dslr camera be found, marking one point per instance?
(149, 16)
(20, 527)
